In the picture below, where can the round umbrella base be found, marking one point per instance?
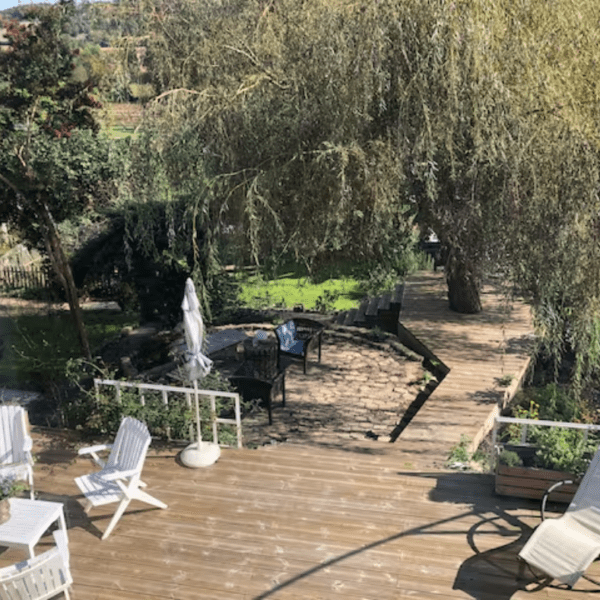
(195, 457)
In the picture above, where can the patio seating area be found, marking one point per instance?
(293, 522)
(327, 514)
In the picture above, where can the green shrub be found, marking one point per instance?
(102, 414)
(563, 449)
(512, 433)
(459, 453)
(510, 458)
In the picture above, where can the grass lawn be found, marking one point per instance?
(340, 291)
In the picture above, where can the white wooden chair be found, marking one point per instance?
(41, 577)
(564, 548)
(15, 445)
(119, 479)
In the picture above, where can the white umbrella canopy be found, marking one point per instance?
(198, 454)
(197, 364)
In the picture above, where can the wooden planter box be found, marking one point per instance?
(530, 482)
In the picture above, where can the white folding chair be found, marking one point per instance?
(119, 479)
(15, 445)
(41, 577)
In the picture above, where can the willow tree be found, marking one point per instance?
(274, 110)
(313, 126)
(480, 87)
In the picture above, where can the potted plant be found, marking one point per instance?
(556, 454)
(531, 456)
(9, 487)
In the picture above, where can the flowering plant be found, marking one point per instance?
(9, 486)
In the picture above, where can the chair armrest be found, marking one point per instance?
(93, 451)
(549, 491)
(62, 543)
(310, 323)
(115, 475)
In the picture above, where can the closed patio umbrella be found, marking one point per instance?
(198, 454)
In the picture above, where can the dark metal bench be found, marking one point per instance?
(297, 337)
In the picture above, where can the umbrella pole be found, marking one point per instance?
(199, 432)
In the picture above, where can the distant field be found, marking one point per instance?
(120, 119)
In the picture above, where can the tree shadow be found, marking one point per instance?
(497, 520)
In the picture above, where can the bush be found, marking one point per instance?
(102, 414)
(563, 449)
(510, 458)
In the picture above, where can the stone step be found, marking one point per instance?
(371, 310)
(341, 317)
(360, 319)
(350, 316)
(397, 295)
(384, 302)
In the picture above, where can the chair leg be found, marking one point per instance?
(148, 499)
(118, 514)
(30, 478)
(268, 397)
(521, 571)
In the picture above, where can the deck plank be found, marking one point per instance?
(288, 522)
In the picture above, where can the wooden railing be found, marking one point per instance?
(23, 278)
(526, 423)
(206, 396)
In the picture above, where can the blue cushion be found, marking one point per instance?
(297, 348)
(286, 335)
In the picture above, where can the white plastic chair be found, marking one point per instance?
(564, 548)
(15, 445)
(41, 577)
(119, 479)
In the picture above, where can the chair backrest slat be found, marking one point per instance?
(130, 446)
(38, 578)
(12, 434)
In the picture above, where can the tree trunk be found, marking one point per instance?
(61, 267)
(463, 286)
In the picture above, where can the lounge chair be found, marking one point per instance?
(563, 548)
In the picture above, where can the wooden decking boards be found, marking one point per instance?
(487, 353)
(367, 521)
(287, 522)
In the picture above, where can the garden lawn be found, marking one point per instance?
(290, 289)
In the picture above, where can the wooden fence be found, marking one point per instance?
(32, 277)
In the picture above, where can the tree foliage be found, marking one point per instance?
(258, 94)
(53, 163)
(319, 128)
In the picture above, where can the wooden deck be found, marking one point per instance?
(373, 521)
(480, 350)
(287, 522)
